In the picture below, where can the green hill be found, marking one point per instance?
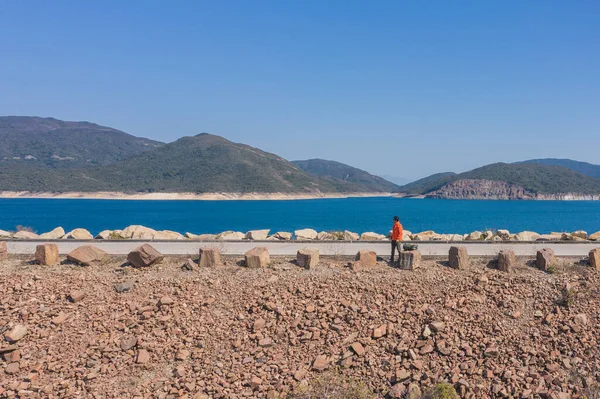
(341, 175)
(584, 168)
(34, 141)
(535, 178)
(427, 184)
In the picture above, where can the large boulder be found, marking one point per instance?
(455, 237)
(595, 236)
(257, 235)
(458, 257)
(144, 256)
(230, 236)
(104, 235)
(424, 236)
(527, 236)
(168, 235)
(307, 258)
(503, 234)
(406, 235)
(5, 234)
(46, 254)
(78, 234)
(3, 251)
(549, 237)
(350, 236)
(201, 237)
(282, 236)
(257, 257)
(594, 260)
(409, 260)
(55, 234)
(137, 232)
(25, 235)
(580, 234)
(507, 261)
(366, 258)
(305, 234)
(370, 236)
(87, 255)
(545, 259)
(325, 236)
(209, 257)
(475, 236)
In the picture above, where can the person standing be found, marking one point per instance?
(396, 236)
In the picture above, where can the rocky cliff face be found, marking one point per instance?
(491, 189)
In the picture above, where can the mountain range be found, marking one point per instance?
(50, 155)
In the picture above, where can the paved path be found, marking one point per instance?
(325, 247)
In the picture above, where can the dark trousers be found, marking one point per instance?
(394, 246)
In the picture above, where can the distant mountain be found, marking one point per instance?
(342, 176)
(508, 181)
(35, 141)
(584, 168)
(427, 184)
(201, 164)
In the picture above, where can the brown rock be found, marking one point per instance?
(17, 333)
(209, 257)
(3, 251)
(595, 258)
(320, 363)
(46, 254)
(128, 343)
(165, 301)
(409, 260)
(144, 256)
(366, 258)
(507, 261)
(60, 318)
(189, 265)
(182, 354)
(358, 348)
(258, 325)
(143, 356)
(307, 258)
(458, 257)
(257, 257)
(87, 255)
(380, 331)
(545, 259)
(76, 296)
(12, 368)
(255, 383)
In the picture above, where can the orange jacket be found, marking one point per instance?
(397, 232)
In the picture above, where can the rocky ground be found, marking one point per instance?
(233, 332)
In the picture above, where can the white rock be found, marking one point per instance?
(230, 236)
(55, 234)
(503, 234)
(25, 235)
(424, 236)
(488, 235)
(475, 236)
(5, 234)
(283, 235)
(580, 234)
(527, 236)
(595, 236)
(305, 234)
(324, 236)
(405, 235)
(350, 236)
(455, 237)
(168, 235)
(257, 234)
(370, 236)
(137, 232)
(78, 234)
(104, 235)
(548, 237)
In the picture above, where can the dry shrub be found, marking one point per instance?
(441, 391)
(24, 228)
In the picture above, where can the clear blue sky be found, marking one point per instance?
(404, 88)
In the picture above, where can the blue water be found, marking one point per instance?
(355, 214)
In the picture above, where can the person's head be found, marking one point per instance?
(396, 219)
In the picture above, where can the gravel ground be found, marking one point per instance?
(232, 332)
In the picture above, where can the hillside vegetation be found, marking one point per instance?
(49, 142)
(340, 175)
(584, 168)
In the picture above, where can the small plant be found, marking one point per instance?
(333, 386)
(115, 236)
(567, 298)
(552, 269)
(337, 235)
(442, 390)
(24, 228)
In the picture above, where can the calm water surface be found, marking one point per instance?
(355, 214)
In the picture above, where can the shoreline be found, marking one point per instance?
(110, 195)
